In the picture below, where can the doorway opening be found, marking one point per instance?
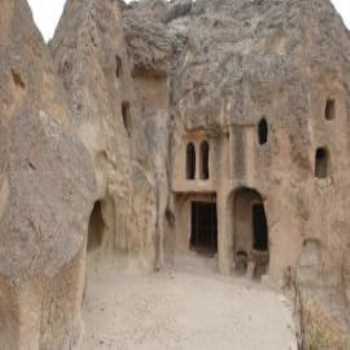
(260, 228)
(204, 232)
(250, 233)
(96, 228)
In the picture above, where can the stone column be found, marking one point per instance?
(225, 236)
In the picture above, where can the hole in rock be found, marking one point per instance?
(190, 161)
(263, 131)
(204, 160)
(260, 228)
(330, 109)
(126, 117)
(96, 228)
(17, 79)
(251, 232)
(204, 228)
(118, 66)
(321, 160)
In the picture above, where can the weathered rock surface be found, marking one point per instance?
(286, 64)
(47, 187)
(91, 55)
(135, 112)
(153, 49)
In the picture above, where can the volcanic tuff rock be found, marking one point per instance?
(47, 187)
(90, 52)
(94, 137)
(245, 53)
(282, 62)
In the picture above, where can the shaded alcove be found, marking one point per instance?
(251, 236)
(118, 66)
(260, 228)
(190, 161)
(330, 110)
(96, 228)
(126, 117)
(321, 163)
(263, 131)
(204, 149)
(17, 79)
(204, 227)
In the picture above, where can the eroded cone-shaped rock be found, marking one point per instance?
(47, 187)
(91, 57)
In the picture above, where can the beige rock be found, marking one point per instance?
(90, 52)
(264, 84)
(47, 187)
(152, 129)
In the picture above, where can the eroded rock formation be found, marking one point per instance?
(272, 101)
(47, 187)
(149, 129)
(91, 55)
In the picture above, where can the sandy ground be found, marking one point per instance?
(190, 308)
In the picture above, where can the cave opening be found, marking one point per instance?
(204, 228)
(96, 228)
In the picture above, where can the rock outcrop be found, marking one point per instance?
(47, 189)
(152, 50)
(148, 129)
(266, 84)
(91, 55)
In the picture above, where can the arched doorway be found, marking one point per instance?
(251, 242)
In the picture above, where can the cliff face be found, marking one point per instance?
(94, 136)
(285, 64)
(47, 187)
(242, 53)
(152, 49)
(91, 55)
(215, 71)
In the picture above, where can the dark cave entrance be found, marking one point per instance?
(96, 228)
(204, 232)
(251, 233)
(260, 228)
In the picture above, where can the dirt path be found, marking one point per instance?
(187, 309)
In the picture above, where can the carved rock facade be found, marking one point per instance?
(147, 130)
